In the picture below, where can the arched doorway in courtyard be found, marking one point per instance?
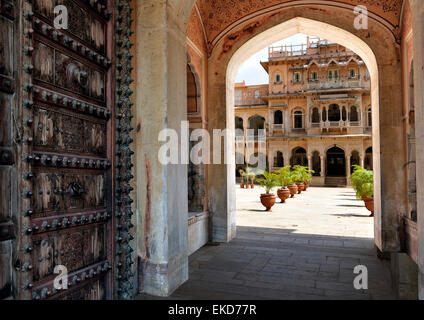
(230, 47)
(336, 162)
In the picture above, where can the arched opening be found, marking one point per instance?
(334, 113)
(324, 114)
(354, 160)
(411, 151)
(192, 92)
(299, 157)
(278, 117)
(353, 114)
(368, 161)
(336, 162)
(316, 164)
(239, 125)
(315, 115)
(256, 123)
(279, 160)
(298, 119)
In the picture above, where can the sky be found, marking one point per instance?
(253, 73)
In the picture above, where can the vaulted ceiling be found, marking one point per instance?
(217, 15)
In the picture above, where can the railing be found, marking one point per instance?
(335, 124)
(298, 130)
(277, 126)
(333, 84)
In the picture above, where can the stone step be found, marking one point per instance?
(335, 181)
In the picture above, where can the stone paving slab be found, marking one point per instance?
(305, 249)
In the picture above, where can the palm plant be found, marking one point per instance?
(268, 182)
(284, 177)
(362, 182)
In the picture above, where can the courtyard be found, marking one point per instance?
(304, 249)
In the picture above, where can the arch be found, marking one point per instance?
(299, 157)
(354, 160)
(316, 163)
(368, 161)
(353, 114)
(231, 55)
(334, 112)
(278, 117)
(256, 123)
(194, 105)
(279, 160)
(315, 117)
(336, 162)
(239, 123)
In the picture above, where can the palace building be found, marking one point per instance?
(316, 110)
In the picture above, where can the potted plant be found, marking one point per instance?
(298, 177)
(268, 182)
(308, 177)
(243, 176)
(291, 183)
(284, 179)
(251, 176)
(363, 183)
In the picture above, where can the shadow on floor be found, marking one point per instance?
(270, 263)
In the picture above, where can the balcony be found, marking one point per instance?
(337, 127)
(334, 84)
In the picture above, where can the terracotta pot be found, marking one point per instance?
(246, 186)
(242, 186)
(268, 200)
(306, 186)
(369, 204)
(283, 194)
(301, 187)
(252, 186)
(293, 190)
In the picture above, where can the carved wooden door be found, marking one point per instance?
(71, 118)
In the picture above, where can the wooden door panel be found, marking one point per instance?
(65, 157)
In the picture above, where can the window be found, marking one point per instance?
(238, 96)
(314, 76)
(298, 119)
(334, 113)
(369, 117)
(344, 114)
(278, 117)
(277, 78)
(297, 77)
(324, 114)
(352, 74)
(333, 74)
(279, 160)
(257, 94)
(315, 115)
(353, 114)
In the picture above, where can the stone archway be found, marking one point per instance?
(228, 51)
(374, 54)
(336, 162)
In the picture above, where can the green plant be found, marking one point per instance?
(243, 176)
(362, 182)
(284, 177)
(268, 181)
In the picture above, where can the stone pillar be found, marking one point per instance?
(310, 162)
(362, 160)
(161, 102)
(404, 276)
(418, 43)
(322, 166)
(348, 164)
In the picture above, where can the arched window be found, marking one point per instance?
(315, 115)
(277, 78)
(279, 160)
(256, 123)
(334, 113)
(298, 119)
(239, 126)
(314, 75)
(354, 114)
(257, 94)
(352, 73)
(278, 117)
(344, 114)
(324, 114)
(368, 163)
(299, 157)
(369, 117)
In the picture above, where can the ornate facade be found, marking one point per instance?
(316, 110)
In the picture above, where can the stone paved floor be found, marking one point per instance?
(305, 249)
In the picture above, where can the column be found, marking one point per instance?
(348, 167)
(362, 160)
(162, 229)
(310, 162)
(418, 29)
(322, 167)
